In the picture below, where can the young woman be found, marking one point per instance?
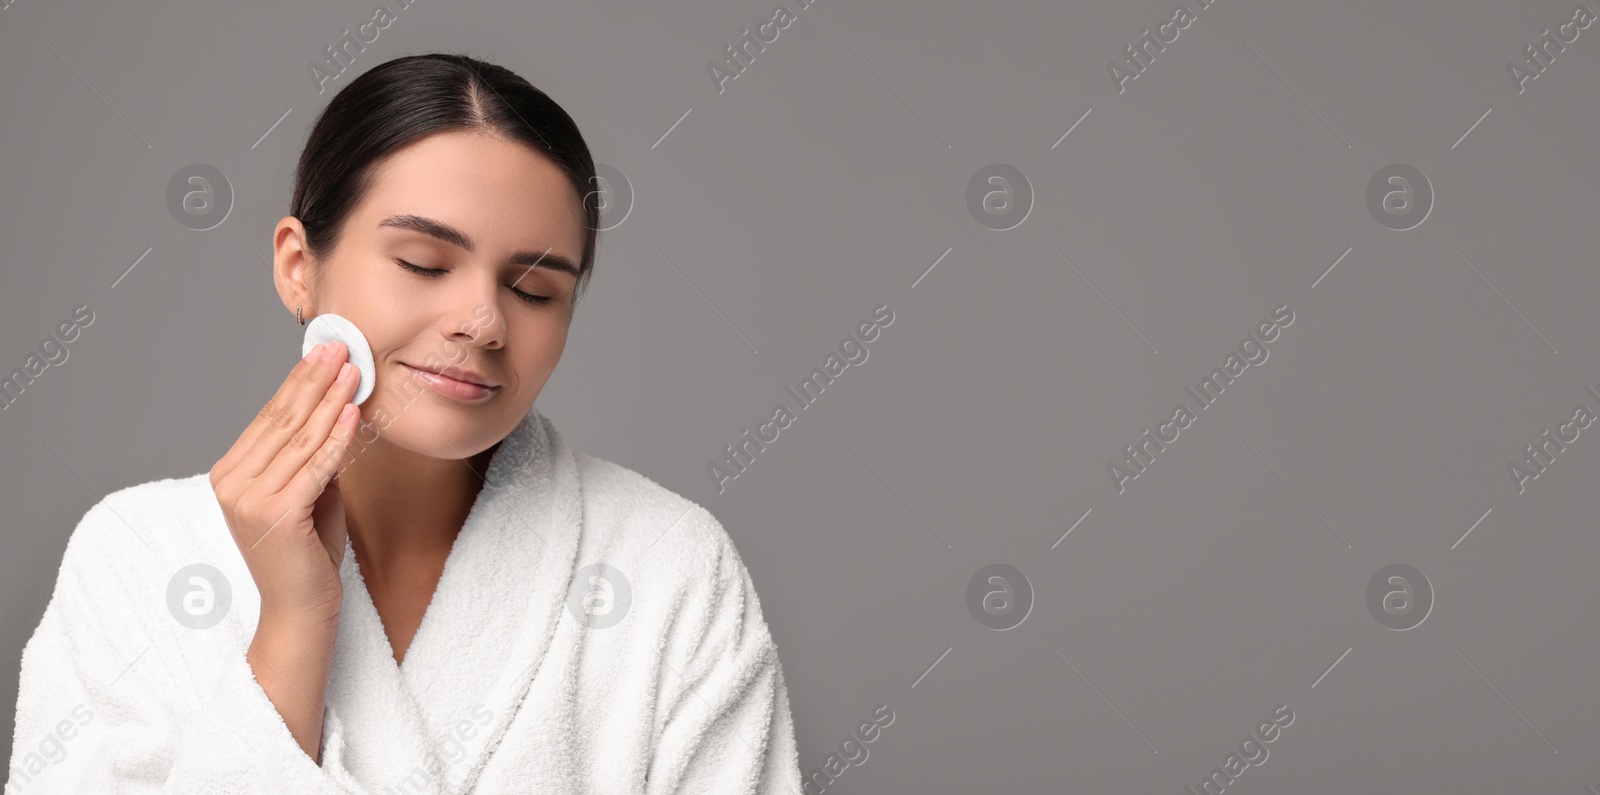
(470, 606)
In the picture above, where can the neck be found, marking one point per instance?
(402, 506)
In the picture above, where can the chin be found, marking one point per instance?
(436, 426)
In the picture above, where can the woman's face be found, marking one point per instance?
(496, 225)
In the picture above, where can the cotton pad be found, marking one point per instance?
(330, 327)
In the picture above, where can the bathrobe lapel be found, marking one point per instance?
(439, 716)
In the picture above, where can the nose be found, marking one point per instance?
(484, 325)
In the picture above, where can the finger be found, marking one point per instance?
(307, 441)
(312, 478)
(290, 414)
(270, 413)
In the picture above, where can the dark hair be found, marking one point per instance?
(399, 101)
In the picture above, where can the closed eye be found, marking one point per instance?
(436, 272)
(417, 269)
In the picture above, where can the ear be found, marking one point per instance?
(291, 265)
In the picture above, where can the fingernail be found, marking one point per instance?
(330, 352)
(346, 372)
(315, 350)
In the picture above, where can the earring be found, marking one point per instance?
(297, 317)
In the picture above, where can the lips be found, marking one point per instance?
(455, 383)
(467, 377)
(457, 374)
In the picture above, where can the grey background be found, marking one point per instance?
(810, 191)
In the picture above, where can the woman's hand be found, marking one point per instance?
(275, 492)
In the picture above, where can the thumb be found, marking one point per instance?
(327, 515)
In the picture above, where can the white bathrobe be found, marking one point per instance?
(520, 679)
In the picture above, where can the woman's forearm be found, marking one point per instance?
(291, 661)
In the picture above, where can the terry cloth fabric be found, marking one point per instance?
(327, 327)
(511, 684)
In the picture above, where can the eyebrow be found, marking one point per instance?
(455, 237)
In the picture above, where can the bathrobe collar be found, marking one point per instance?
(482, 637)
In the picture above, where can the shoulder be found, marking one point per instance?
(669, 541)
(157, 506)
(123, 548)
(683, 568)
(142, 523)
(643, 514)
(144, 504)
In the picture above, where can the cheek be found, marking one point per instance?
(542, 329)
(379, 310)
(547, 353)
(542, 343)
(385, 342)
